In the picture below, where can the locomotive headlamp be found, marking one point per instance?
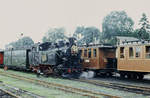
(74, 49)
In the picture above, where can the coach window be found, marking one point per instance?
(85, 53)
(94, 53)
(89, 53)
(121, 52)
(131, 52)
(147, 51)
(137, 52)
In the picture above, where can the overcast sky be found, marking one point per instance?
(34, 17)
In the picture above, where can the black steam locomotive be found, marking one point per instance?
(61, 59)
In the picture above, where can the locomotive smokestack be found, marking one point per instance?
(72, 40)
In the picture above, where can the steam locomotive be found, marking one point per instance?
(48, 58)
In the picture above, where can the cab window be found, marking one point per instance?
(147, 51)
(121, 52)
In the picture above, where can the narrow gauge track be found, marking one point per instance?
(120, 86)
(16, 92)
(7, 94)
(83, 92)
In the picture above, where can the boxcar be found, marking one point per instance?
(16, 59)
(99, 58)
(133, 59)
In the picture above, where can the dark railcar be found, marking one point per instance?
(16, 59)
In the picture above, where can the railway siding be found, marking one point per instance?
(66, 82)
(82, 92)
(17, 92)
(125, 87)
(7, 94)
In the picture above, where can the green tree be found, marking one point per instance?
(79, 32)
(143, 31)
(117, 23)
(54, 34)
(87, 34)
(23, 42)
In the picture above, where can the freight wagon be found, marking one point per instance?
(17, 59)
(1, 58)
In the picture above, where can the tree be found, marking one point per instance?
(54, 34)
(143, 31)
(87, 34)
(23, 42)
(117, 23)
(79, 32)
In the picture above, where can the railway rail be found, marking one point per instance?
(83, 92)
(7, 94)
(126, 87)
(12, 92)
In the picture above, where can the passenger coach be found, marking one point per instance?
(99, 58)
(133, 59)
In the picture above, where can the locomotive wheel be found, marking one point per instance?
(56, 71)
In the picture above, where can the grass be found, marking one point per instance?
(37, 89)
(53, 93)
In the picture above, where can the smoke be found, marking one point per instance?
(89, 74)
